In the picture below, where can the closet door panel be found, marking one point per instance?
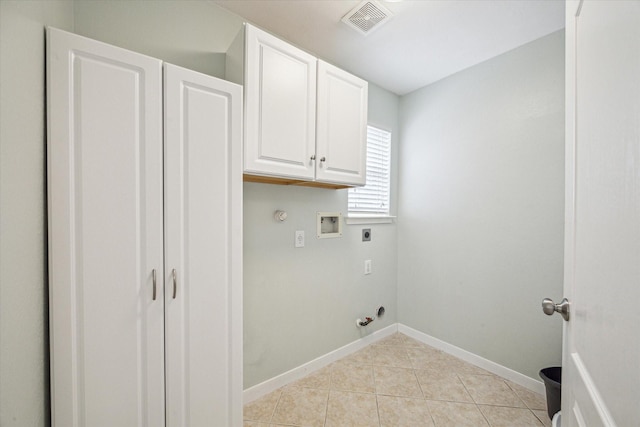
(105, 225)
(202, 217)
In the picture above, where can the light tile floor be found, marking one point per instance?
(399, 381)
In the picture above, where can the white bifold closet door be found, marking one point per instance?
(203, 229)
(105, 234)
(131, 345)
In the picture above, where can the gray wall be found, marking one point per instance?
(192, 34)
(302, 303)
(23, 290)
(480, 234)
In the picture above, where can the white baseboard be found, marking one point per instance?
(481, 362)
(257, 391)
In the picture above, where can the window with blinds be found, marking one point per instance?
(373, 198)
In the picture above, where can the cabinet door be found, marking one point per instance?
(203, 223)
(280, 85)
(341, 126)
(105, 234)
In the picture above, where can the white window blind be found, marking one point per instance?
(373, 198)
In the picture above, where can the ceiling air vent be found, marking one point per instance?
(367, 16)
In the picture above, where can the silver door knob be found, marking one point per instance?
(549, 307)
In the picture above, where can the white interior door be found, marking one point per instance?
(601, 354)
(203, 223)
(105, 234)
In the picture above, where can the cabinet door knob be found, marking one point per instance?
(323, 159)
(313, 157)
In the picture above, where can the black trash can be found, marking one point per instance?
(552, 378)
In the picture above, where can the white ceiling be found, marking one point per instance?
(423, 42)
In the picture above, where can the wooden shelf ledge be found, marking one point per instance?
(289, 181)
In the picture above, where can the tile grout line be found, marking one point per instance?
(273, 412)
(378, 411)
(375, 391)
(433, 421)
(474, 400)
(541, 421)
(525, 403)
(517, 395)
(326, 407)
(467, 390)
(483, 415)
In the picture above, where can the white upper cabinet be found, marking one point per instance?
(298, 111)
(341, 143)
(280, 107)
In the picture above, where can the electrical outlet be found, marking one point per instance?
(299, 239)
(367, 267)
